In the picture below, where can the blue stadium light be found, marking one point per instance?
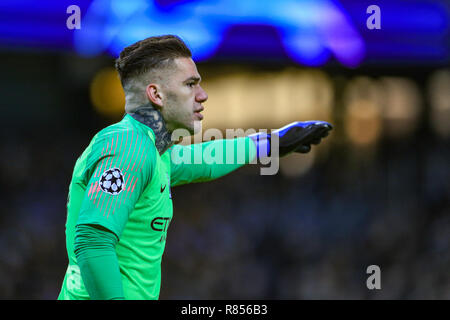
(310, 32)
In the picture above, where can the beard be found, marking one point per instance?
(197, 127)
(179, 114)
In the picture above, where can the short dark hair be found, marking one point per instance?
(150, 53)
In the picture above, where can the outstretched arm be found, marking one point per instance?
(294, 137)
(214, 159)
(209, 160)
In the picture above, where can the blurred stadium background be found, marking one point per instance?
(377, 191)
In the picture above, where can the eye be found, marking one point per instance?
(191, 84)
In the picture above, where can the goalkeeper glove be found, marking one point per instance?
(294, 137)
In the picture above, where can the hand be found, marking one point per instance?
(294, 137)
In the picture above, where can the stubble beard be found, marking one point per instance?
(178, 117)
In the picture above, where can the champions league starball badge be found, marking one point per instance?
(112, 181)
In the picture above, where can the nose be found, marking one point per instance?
(201, 96)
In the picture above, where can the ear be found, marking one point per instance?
(154, 94)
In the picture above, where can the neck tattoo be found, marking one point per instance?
(152, 118)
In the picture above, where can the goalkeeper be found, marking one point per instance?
(120, 206)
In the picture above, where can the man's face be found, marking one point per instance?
(183, 96)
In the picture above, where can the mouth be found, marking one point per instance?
(198, 114)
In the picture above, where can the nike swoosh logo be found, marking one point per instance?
(162, 189)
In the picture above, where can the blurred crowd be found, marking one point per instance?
(248, 236)
(244, 236)
(313, 237)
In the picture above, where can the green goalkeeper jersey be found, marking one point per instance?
(122, 183)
